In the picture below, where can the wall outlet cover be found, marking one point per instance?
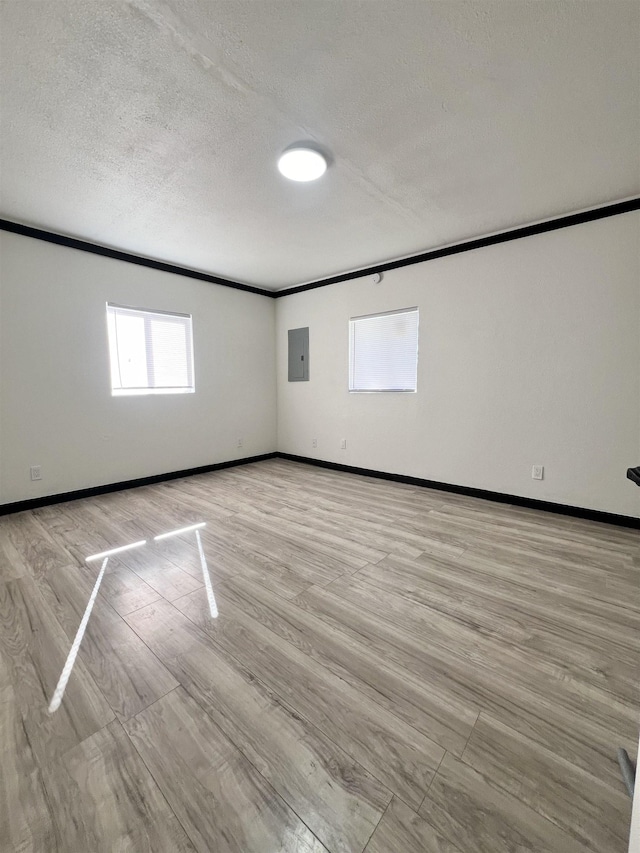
(537, 472)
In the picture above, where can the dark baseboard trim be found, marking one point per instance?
(515, 500)
(499, 497)
(128, 257)
(49, 500)
(493, 239)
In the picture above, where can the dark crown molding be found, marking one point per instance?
(116, 254)
(613, 209)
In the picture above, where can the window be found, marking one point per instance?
(151, 352)
(383, 351)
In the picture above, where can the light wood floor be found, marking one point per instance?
(393, 669)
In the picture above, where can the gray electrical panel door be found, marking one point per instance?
(299, 355)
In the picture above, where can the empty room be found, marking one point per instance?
(319, 426)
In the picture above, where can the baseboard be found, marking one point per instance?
(516, 500)
(49, 500)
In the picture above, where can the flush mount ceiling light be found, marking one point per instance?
(302, 164)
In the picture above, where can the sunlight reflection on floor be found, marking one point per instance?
(58, 693)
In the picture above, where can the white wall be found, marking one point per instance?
(529, 353)
(56, 408)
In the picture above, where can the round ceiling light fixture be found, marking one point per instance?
(302, 164)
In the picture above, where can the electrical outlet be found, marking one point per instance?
(343, 444)
(239, 442)
(314, 442)
(537, 472)
(36, 472)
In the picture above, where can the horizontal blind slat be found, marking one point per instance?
(384, 352)
(149, 350)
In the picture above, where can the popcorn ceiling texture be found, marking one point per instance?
(154, 127)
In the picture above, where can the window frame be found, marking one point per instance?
(352, 321)
(147, 314)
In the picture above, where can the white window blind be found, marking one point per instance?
(151, 352)
(383, 351)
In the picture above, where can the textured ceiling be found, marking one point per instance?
(154, 127)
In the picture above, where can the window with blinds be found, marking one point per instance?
(383, 351)
(151, 352)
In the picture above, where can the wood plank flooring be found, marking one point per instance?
(393, 670)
